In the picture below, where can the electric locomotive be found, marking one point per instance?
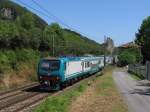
(54, 73)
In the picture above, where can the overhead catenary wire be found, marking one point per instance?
(57, 18)
(50, 16)
(34, 9)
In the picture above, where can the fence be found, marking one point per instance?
(138, 69)
(148, 70)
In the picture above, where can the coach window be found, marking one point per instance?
(99, 62)
(88, 64)
(82, 64)
(65, 66)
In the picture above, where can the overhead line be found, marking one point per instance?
(48, 12)
(34, 9)
(50, 15)
(57, 19)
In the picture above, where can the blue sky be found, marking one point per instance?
(118, 19)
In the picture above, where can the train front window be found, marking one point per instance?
(50, 64)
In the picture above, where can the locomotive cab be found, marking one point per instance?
(49, 72)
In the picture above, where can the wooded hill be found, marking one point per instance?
(20, 28)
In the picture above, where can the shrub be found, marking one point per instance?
(11, 58)
(4, 62)
(126, 58)
(26, 55)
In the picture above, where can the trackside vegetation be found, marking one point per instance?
(61, 103)
(126, 58)
(129, 56)
(102, 94)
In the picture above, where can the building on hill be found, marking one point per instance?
(129, 45)
(7, 13)
(109, 45)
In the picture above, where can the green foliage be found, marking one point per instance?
(135, 51)
(10, 59)
(126, 58)
(4, 61)
(80, 45)
(27, 20)
(61, 103)
(143, 38)
(8, 30)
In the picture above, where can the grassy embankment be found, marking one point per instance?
(136, 76)
(104, 92)
(133, 75)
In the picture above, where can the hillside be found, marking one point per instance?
(25, 37)
(21, 28)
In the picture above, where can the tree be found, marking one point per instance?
(143, 38)
(8, 31)
(35, 35)
(126, 58)
(27, 20)
(53, 33)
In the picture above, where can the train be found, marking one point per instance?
(56, 73)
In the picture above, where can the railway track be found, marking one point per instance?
(13, 91)
(24, 99)
(10, 97)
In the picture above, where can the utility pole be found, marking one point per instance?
(53, 45)
(104, 50)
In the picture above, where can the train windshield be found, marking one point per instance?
(50, 65)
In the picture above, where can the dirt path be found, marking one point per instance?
(136, 93)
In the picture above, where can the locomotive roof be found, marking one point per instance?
(51, 58)
(70, 58)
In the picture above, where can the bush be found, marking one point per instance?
(4, 62)
(12, 59)
(26, 55)
(126, 58)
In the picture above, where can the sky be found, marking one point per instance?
(118, 19)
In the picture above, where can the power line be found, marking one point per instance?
(50, 16)
(57, 19)
(33, 9)
(48, 12)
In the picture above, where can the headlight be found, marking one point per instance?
(40, 77)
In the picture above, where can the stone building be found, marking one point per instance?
(7, 13)
(109, 45)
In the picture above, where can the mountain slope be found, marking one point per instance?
(21, 28)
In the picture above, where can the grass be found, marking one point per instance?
(61, 103)
(107, 92)
(136, 76)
